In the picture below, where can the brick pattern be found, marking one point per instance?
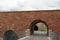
(20, 21)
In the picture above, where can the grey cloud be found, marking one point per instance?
(23, 5)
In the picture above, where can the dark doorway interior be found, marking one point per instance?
(33, 26)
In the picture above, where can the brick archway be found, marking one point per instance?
(33, 24)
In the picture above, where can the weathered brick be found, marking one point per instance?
(20, 21)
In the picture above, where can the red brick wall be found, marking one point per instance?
(20, 21)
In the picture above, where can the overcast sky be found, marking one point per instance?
(25, 5)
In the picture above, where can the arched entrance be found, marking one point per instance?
(38, 25)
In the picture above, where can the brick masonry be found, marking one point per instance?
(20, 21)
